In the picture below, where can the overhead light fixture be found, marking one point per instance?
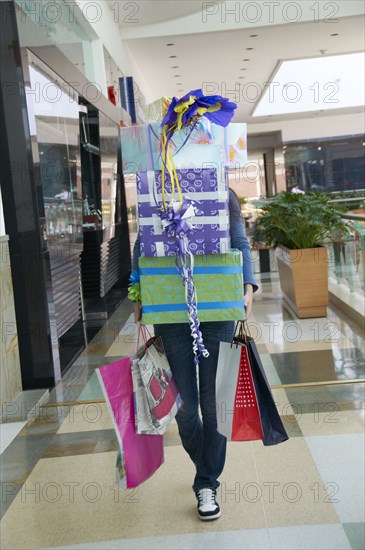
(243, 69)
(249, 48)
(175, 67)
(253, 35)
(292, 89)
(335, 34)
(170, 44)
(319, 148)
(241, 77)
(173, 56)
(246, 60)
(176, 76)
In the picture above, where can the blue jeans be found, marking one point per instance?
(200, 438)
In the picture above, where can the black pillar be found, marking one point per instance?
(28, 252)
(270, 173)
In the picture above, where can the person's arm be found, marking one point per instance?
(136, 254)
(135, 267)
(239, 240)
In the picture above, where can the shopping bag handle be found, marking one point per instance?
(142, 329)
(242, 333)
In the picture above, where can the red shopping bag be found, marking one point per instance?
(246, 425)
(246, 409)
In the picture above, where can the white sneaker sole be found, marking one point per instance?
(209, 518)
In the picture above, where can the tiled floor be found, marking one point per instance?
(58, 472)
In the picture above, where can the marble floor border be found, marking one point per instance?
(273, 387)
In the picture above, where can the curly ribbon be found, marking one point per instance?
(169, 165)
(177, 222)
(186, 273)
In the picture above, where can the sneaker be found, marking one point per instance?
(208, 507)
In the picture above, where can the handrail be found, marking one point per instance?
(353, 199)
(357, 217)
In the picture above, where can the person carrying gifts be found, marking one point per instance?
(199, 436)
(194, 366)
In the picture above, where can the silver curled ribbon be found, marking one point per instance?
(177, 222)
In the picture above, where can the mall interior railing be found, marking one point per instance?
(347, 257)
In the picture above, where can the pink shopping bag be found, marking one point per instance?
(140, 455)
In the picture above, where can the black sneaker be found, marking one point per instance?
(208, 507)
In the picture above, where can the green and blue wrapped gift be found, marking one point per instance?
(218, 282)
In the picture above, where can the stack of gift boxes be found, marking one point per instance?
(201, 162)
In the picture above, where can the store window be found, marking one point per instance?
(327, 165)
(53, 114)
(99, 160)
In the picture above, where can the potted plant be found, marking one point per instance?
(299, 225)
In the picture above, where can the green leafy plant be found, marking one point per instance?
(297, 221)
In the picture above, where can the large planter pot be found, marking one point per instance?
(304, 280)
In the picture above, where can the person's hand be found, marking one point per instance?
(248, 300)
(137, 311)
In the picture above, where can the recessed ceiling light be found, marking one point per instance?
(170, 44)
(249, 48)
(253, 35)
(246, 59)
(173, 56)
(335, 34)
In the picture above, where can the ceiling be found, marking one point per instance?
(222, 63)
(147, 12)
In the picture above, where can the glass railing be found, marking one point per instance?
(347, 255)
(346, 263)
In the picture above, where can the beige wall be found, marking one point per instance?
(10, 377)
(249, 182)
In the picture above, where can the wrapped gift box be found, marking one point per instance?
(218, 281)
(156, 111)
(210, 145)
(209, 192)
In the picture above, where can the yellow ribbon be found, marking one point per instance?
(168, 163)
(167, 158)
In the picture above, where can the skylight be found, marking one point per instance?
(320, 83)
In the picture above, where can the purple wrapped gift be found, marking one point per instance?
(209, 194)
